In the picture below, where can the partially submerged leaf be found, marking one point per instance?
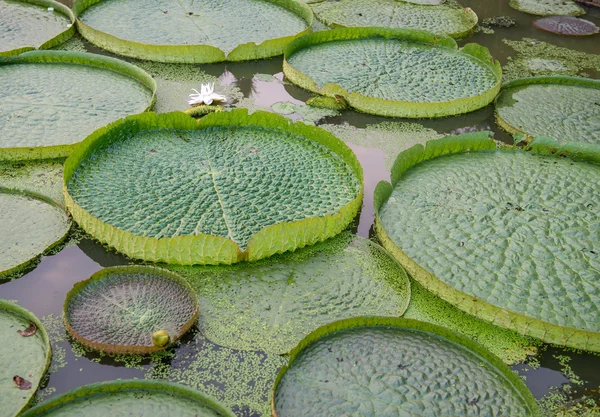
(29, 331)
(21, 382)
(566, 25)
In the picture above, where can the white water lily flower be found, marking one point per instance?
(205, 96)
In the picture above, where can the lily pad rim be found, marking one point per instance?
(17, 309)
(197, 53)
(520, 323)
(464, 342)
(71, 58)
(56, 40)
(140, 385)
(130, 349)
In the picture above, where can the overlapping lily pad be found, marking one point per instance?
(564, 108)
(26, 355)
(388, 366)
(50, 101)
(29, 225)
(193, 31)
(131, 397)
(394, 72)
(118, 309)
(448, 18)
(33, 24)
(226, 188)
(547, 7)
(273, 304)
(515, 245)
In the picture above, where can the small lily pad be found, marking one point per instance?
(566, 25)
(118, 309)
(547, 7)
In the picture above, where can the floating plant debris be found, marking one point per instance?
(29, 331)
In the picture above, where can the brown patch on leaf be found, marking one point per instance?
(21, 382)
(30, 331)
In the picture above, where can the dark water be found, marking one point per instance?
(43, 289)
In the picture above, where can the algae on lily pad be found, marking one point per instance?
(33, 24)
(120, 309)
(564, 108)
(29, 225)
(448, 19)
(516, 245)
(25, 355)
(375, 367)
(226, 188)
(547, 7)
(131, 398)
(271, 305)
(51, 100)
(200, 31)
(394, 72)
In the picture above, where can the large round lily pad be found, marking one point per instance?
(508, 236)
(33, 24)
(26, 355)
(547, 7)
(563, 108)
(271, 305)
(118, 309)
(226, 188)
(394, 72)
(448, 18)
(566, 25)
(376, 367)
(131, 398)
(200, 31)
(50, 101)
(29, 225)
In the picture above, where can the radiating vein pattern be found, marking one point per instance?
(223, 181)
(518, 230)
(395, 70)
(224, 24)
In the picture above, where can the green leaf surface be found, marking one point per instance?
(547, 7)
(27, 357)
(516, 245)
(131, 398)
(564, 108)
(227, 188)
(394, 72)
(50, 101)
(43, 178)
(444, 19)
(29, 225)
(33, 24)
(395, 367)
(273, 304)
(193, 31)
(118, 309)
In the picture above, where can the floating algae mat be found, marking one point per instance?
(396, 367)
(394, 72)
(515, 245)
(26, 25)
(448, 18)
(25, 355)
(564, 108)
(119, 309)
(23, 241)
(131, 398)
(227, 188)
(50, 101)
(193, 31)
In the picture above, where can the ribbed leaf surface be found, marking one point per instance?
(547, 7)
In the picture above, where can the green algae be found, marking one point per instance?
(75, 44)
(535, 58)
(39, 177)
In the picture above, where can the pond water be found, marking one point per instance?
(44, 288)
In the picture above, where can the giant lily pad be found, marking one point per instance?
(515, 245)
(394, 72)
(566, 25)
(131, 397)
(273, 304)
(29, 225)
(444, 19)
(547, 7)
(193, 31)
(26, 355)
(33, 24)
(396, 367)
(564, 108)
(118, 309)
(227, 188)
(50, 101)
